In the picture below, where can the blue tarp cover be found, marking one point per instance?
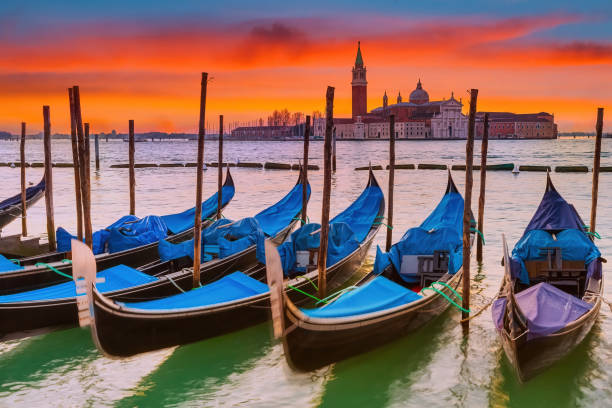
(441, 231)
(231, 287)
(554, 214)
(546, 308)
(346, 232)
(378, 294)
(221, 241)
(183, 221)
(130, 231)
(16, 199)
(273, 219)
(115, 278)
(6, 265)
(574, 244)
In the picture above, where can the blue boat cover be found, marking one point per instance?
(183, 221)
(378, 294)
(6, 265)
(346, 232)
(554, 214)
(115, 278)
(222, 242)
(130, 231)
(441, 231)
(275, 218)
(16, 199)
(546, 308)
(575, 246)
(231, 287)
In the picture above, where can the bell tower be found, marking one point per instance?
(360, 85)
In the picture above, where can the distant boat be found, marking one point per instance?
(516, 170)
(11, 207)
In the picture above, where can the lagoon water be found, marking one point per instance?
(434, 367)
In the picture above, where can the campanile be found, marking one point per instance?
(360, 85)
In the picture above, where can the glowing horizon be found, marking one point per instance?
(147, 67)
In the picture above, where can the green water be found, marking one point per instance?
(434, 367)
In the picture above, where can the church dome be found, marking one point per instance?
(419, 96)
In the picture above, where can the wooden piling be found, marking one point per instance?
(197, 227)
(132, 176)
(97, 150)
(83, 168)
(87, 154)
(327, 170)
(391, 181)
(76, 165)
(220, 175)
(483, 179)
(48, 179)
(467, 213)
(334, 150)
(305, 170)
(24, 226)
(596, 165)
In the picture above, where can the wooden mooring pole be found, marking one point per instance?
(132, 176)
(334, 150)
(327, 171)
(97, 150)
(48, 179)
(467, 213)
(391, 181)
(483, 179)
(197, 226)
(83, 168)
(77, 166)
(596, 166)
(24, 226)
(305, 175)
(87, 155)
(220, 175)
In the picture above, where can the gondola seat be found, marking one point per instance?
(378, 294)
(115, 278)
(229, 288)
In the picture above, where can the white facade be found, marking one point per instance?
(450, 123)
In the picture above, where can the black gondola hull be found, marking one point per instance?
(13, 212)
(310, 345)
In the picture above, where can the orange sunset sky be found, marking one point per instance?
(142, 60)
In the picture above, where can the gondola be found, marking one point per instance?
(11, 207)
(551, 292)
(408, 287)
(240, 299)
(40, 271)
(52, 307)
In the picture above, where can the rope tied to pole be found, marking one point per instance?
(46, 265)
(480, 234)
(306, 293)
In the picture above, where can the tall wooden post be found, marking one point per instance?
(97, 149)
(77, 166)
(467, 213)
(305, 179)
(132, 176)
(596, 165)
(83, 168)
(391, 181)
(24, 226)
(220, 175)
(48, 179)
(483, 179)
(87, 155)
(334, 150)
(197, 226)
(327, 170)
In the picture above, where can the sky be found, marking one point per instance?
(143, 60)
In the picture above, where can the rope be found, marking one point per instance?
(474, 229)
(300, 220)
(382, 223)
(311, 282)
(451, 301)
(54, 270)
(336, 295)
(449, 288)
(66, 261)
(305, 293)
(174, 283)
(15, 260)
(587, 230)
(485, 307)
